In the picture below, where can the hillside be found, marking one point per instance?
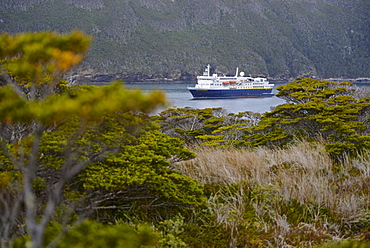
(143, 39)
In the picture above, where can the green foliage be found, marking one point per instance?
(209, 127)
(316, 110)
(171, 231)
(305, 89)
(55, 138)
(31, 57)
(94, 234)
(136, 164)
(346, 244)
(136, 168)
(144, 165)
(187, 123)
(13, 107)
(88, 105)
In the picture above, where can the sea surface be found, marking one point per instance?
(179, 97)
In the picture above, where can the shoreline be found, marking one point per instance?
(274, 81)
(103, 79)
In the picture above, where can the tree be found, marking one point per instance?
(210, 126)
(233, 130)
(317, 109)
(33, 104)
(136, 171)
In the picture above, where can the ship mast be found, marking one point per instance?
(207, 70)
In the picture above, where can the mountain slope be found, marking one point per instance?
(177, 38)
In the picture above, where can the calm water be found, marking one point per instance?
(180, 97)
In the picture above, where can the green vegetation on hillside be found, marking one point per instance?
(172, 39)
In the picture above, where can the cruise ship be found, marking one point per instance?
(214, 86)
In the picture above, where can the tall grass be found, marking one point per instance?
(297, 190)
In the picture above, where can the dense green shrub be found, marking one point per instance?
(96, 235)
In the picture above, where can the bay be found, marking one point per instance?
(179, 97)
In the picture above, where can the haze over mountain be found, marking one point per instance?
(141, 39)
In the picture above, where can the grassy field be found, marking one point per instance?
(296, 197)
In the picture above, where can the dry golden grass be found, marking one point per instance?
(303, 172)
(221, 165)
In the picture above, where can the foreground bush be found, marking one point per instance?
(94, 234)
